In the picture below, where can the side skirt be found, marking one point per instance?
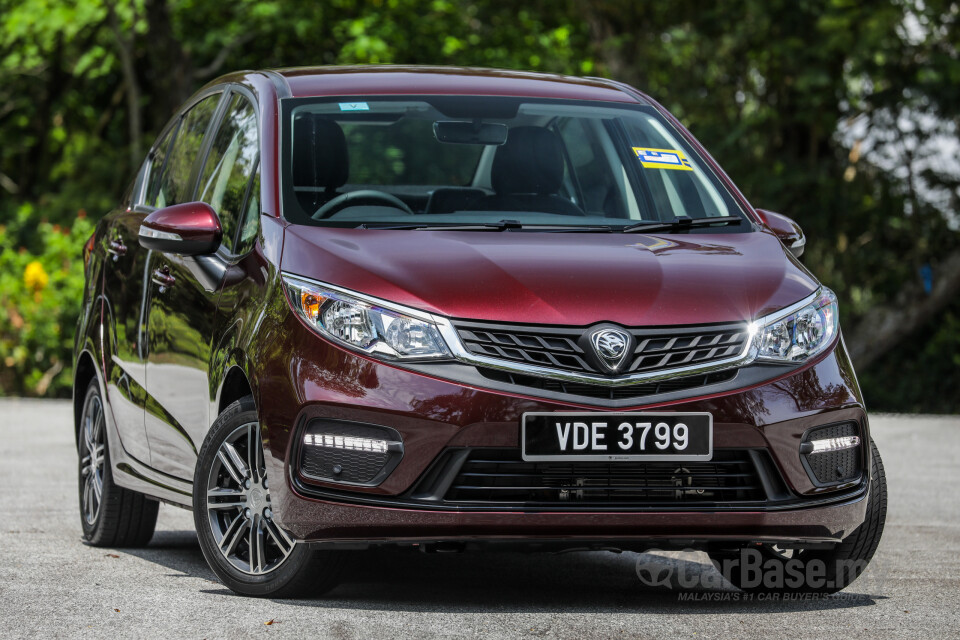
(136, 476)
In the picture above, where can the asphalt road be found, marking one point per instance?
(53, 585)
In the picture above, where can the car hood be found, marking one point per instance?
(557, 278)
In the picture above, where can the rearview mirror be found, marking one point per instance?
(786, 229)
(189, 229)
(475, 132)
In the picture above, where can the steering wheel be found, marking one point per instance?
(363, 196)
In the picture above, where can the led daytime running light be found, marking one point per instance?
(349, 443)
(833, 444)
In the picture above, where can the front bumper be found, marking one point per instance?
(435, 416)
(375, 525)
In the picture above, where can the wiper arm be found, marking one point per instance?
(503, 225)
(682, 222)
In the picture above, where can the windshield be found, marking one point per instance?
(494, 162)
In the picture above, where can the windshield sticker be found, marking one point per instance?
(354, 106)
(663, 159)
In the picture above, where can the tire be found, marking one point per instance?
(110, 515)
(841, 564)
(250, 553)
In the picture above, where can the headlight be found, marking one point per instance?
(379, 329)
(802, 334)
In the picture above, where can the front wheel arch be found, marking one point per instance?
(235, 387)
(85, 370)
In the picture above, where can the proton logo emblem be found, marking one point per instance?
(612, 347)
(256, 499)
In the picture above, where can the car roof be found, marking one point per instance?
(422, 80)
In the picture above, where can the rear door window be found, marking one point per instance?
(175, 183)
(154, 167)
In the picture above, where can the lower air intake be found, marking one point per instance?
(500, 476)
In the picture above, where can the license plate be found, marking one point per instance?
(617, 436)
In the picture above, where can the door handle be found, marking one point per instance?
(163, 278)
(116, 248)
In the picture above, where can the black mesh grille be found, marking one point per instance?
(355, 466)
(606, 392)
(833, 467)
(559, 347)
(338, 464)
(500, 476)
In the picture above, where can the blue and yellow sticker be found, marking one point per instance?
(663, 159)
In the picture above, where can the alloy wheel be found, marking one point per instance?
(238, 505)
(91, 464)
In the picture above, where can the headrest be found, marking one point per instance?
(319, 153)
(531, 161)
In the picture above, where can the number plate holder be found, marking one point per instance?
(559, 436)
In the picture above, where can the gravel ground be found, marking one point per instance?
(52, 585)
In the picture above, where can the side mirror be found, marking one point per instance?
(786, 229)
(189, 229)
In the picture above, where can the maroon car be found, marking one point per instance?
(446, 308)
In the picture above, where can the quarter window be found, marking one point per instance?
(251, 216)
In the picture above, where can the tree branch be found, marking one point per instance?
(221, 57)
(886, 326)
(7, 183)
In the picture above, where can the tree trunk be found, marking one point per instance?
(169, 74)
(132, 87)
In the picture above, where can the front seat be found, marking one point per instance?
(527, 173)
(320, 161)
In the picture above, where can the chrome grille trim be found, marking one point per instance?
(559, 347)
(743, 358)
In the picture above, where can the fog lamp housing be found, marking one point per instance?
(348, 453)
(833, 455)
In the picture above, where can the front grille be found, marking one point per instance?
(561, 347)
(500, 477)
(834, 467)
(625, 392)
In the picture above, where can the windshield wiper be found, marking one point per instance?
(503, 225)
(682, 222)
(574, 228)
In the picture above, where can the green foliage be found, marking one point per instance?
(40, 292)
